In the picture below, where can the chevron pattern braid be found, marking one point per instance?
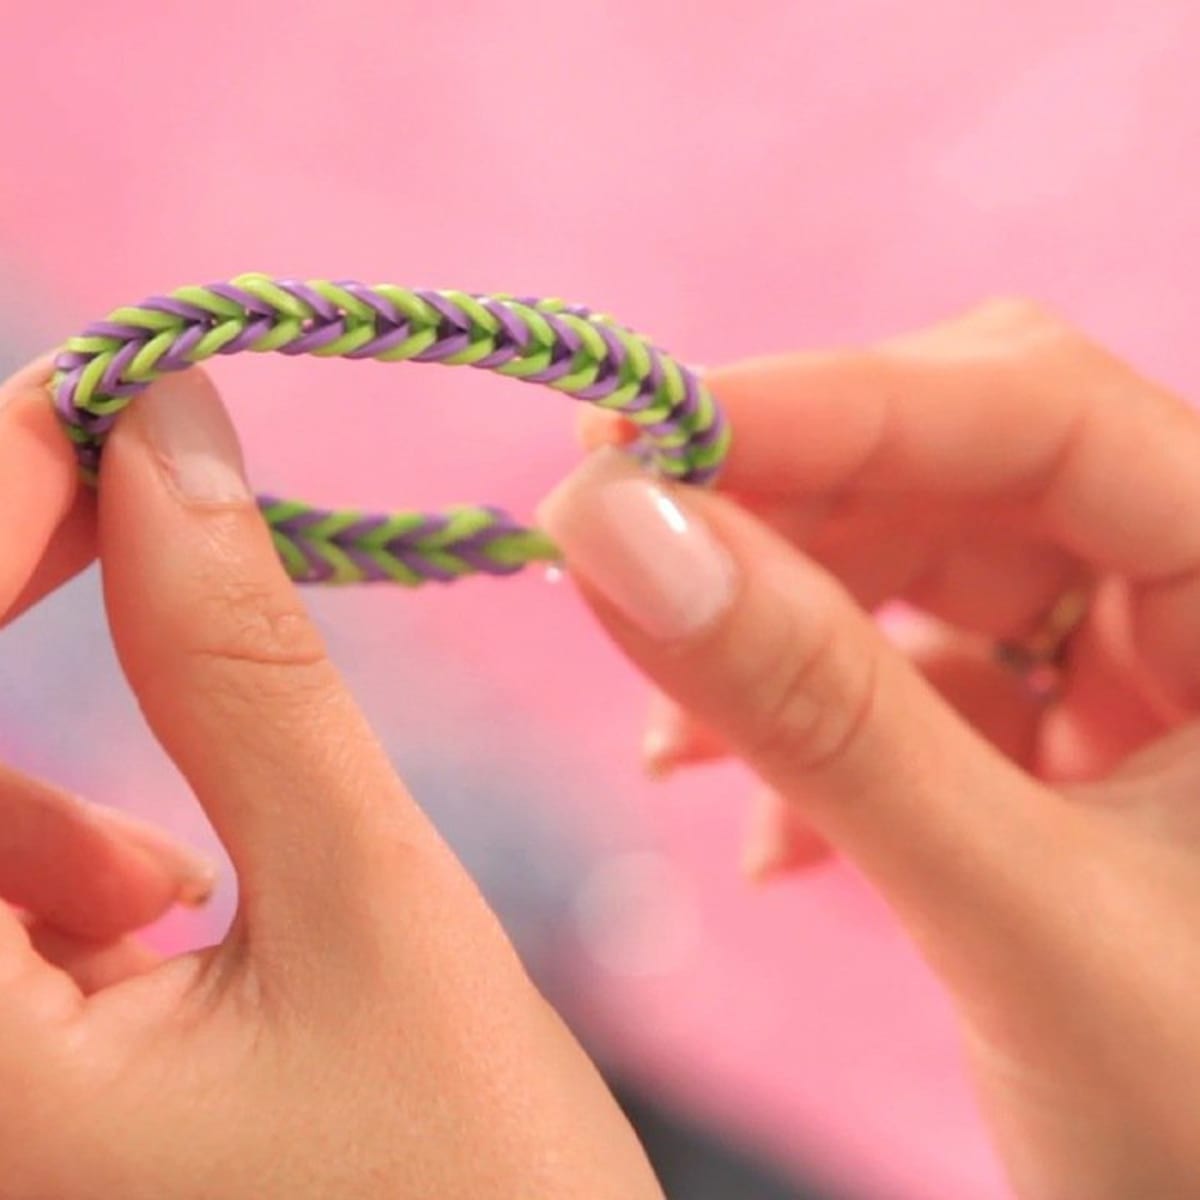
(560, 345)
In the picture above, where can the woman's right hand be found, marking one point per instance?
(1046, 856)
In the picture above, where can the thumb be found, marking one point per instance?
(769, 651)
(233, 677)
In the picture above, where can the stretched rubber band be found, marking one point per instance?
(562, 346)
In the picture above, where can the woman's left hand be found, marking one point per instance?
(364, 1029)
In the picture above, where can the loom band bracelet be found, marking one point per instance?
(561, 346)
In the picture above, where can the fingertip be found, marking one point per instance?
(597, 428)
(39, 480)
(31, 427)
(628, 537)
(135, 890)
(779, 841)
(192, 875)
(75, 869)
(673, 738)
(659, 760)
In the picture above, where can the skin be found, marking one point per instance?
(1044, 856)
(365, 1029)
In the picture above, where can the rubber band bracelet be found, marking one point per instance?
(563, 346)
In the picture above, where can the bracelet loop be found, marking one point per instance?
(560, 345)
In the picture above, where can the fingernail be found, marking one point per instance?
(672, 738)
(633, 541)
(764, 855)
(196, 875)
(662, 737)
(778, 841)
(194, 439)
(660, 753)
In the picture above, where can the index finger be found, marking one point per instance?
(47, 524)
(43, 539)
(1006, 405)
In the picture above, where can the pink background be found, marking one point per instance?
(734, 179)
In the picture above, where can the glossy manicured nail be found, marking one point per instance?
(636, 543)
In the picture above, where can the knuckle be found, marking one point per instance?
(1031, 345)
(250, 650)
(1001, 329)
(247, 624)
(1014, 322)
(1012, 312)
(814, 698)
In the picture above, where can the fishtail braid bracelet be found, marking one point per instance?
(563, 346)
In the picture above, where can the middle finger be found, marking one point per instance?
(88, 871)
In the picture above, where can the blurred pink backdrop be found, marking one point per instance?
(733, 179)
